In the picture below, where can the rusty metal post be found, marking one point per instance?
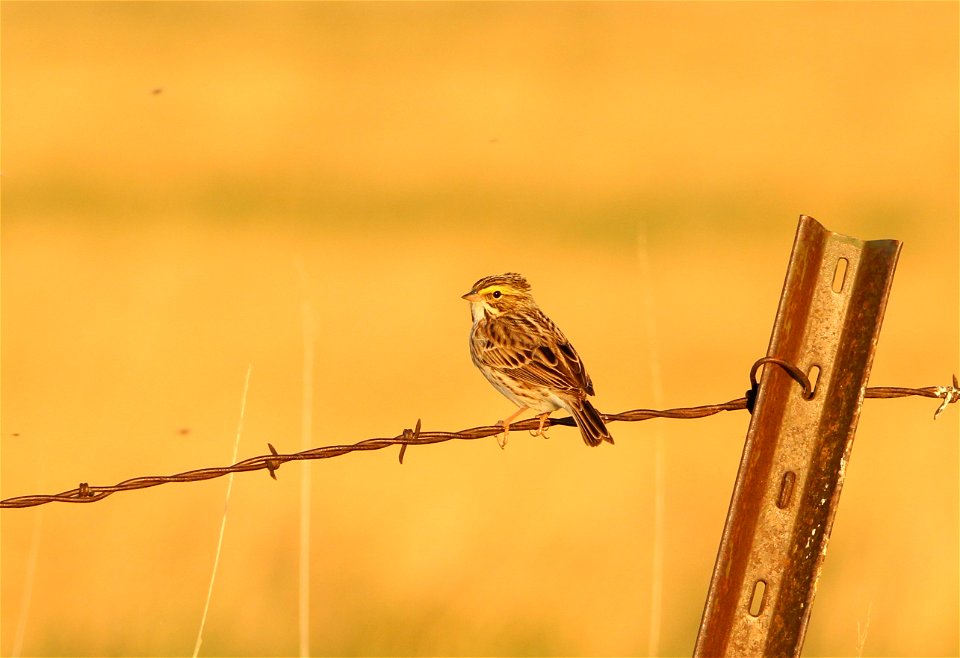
(788, 485)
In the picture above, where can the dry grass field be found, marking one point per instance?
(184, 184)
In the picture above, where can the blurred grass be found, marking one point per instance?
(150, 244)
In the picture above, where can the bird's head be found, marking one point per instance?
(495, 295)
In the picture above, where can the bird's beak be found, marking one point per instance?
(471, 296)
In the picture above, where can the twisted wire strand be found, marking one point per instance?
(86, 493)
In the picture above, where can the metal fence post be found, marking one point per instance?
(788, 485)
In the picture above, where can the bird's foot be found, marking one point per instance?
(502, 438)
(505, 424)
(540, 431)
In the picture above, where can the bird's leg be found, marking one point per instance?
(505, 424)
(540, 431)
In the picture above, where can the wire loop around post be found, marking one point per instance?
(798, 375)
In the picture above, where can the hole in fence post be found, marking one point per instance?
(813, 375)
(786, 489)
(757, 600)
(840, 274)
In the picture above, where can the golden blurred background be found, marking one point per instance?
(190, 189)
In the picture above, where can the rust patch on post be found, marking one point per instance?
(794, 459)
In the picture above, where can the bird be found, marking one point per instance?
(527, 358)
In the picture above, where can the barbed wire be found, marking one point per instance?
(85, 493)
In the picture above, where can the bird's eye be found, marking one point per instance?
(497, 294)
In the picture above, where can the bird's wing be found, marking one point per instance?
(538, 355)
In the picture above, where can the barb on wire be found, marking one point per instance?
(950, 394)
(85, 493)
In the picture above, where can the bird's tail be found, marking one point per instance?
(590, 423)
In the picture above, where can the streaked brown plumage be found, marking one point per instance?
(527, 358)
